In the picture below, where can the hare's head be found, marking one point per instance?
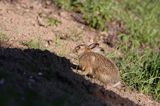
(80, 49)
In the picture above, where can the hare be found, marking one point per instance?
(97, 65)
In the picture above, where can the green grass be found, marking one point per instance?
(139, 17)
(3, 37)
(140, 70)
(53, 21)
(36, 44)
(140, 65)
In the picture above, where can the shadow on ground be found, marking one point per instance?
(33, 77)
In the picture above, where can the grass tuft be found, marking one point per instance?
(3, 37)
(53, 21)
(36, 44)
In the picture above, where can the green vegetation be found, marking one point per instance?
(36, 44)
(58, 43)
(141, 71)
(3, 37)
(140, 64)
(53, 21)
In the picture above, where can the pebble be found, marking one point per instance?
(2, 81)
(40, 73)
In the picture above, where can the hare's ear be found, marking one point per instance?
(96, 48)
(93, 45)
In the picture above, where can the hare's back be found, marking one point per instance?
(104, 62)
(106, 66)
(97, 60)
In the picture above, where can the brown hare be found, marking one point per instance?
(97, 65)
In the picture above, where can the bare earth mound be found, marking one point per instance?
(46, 77)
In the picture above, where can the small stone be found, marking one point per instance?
(2, 81)
(31, 77)
(24, 73)
(32, 80)
(41, 21)
(48, 42)
(48, 2)
(40, 73)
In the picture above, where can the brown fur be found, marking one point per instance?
(97, 65)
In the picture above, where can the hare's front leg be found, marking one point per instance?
(86, 70)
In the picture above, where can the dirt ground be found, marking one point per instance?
(48, 77)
